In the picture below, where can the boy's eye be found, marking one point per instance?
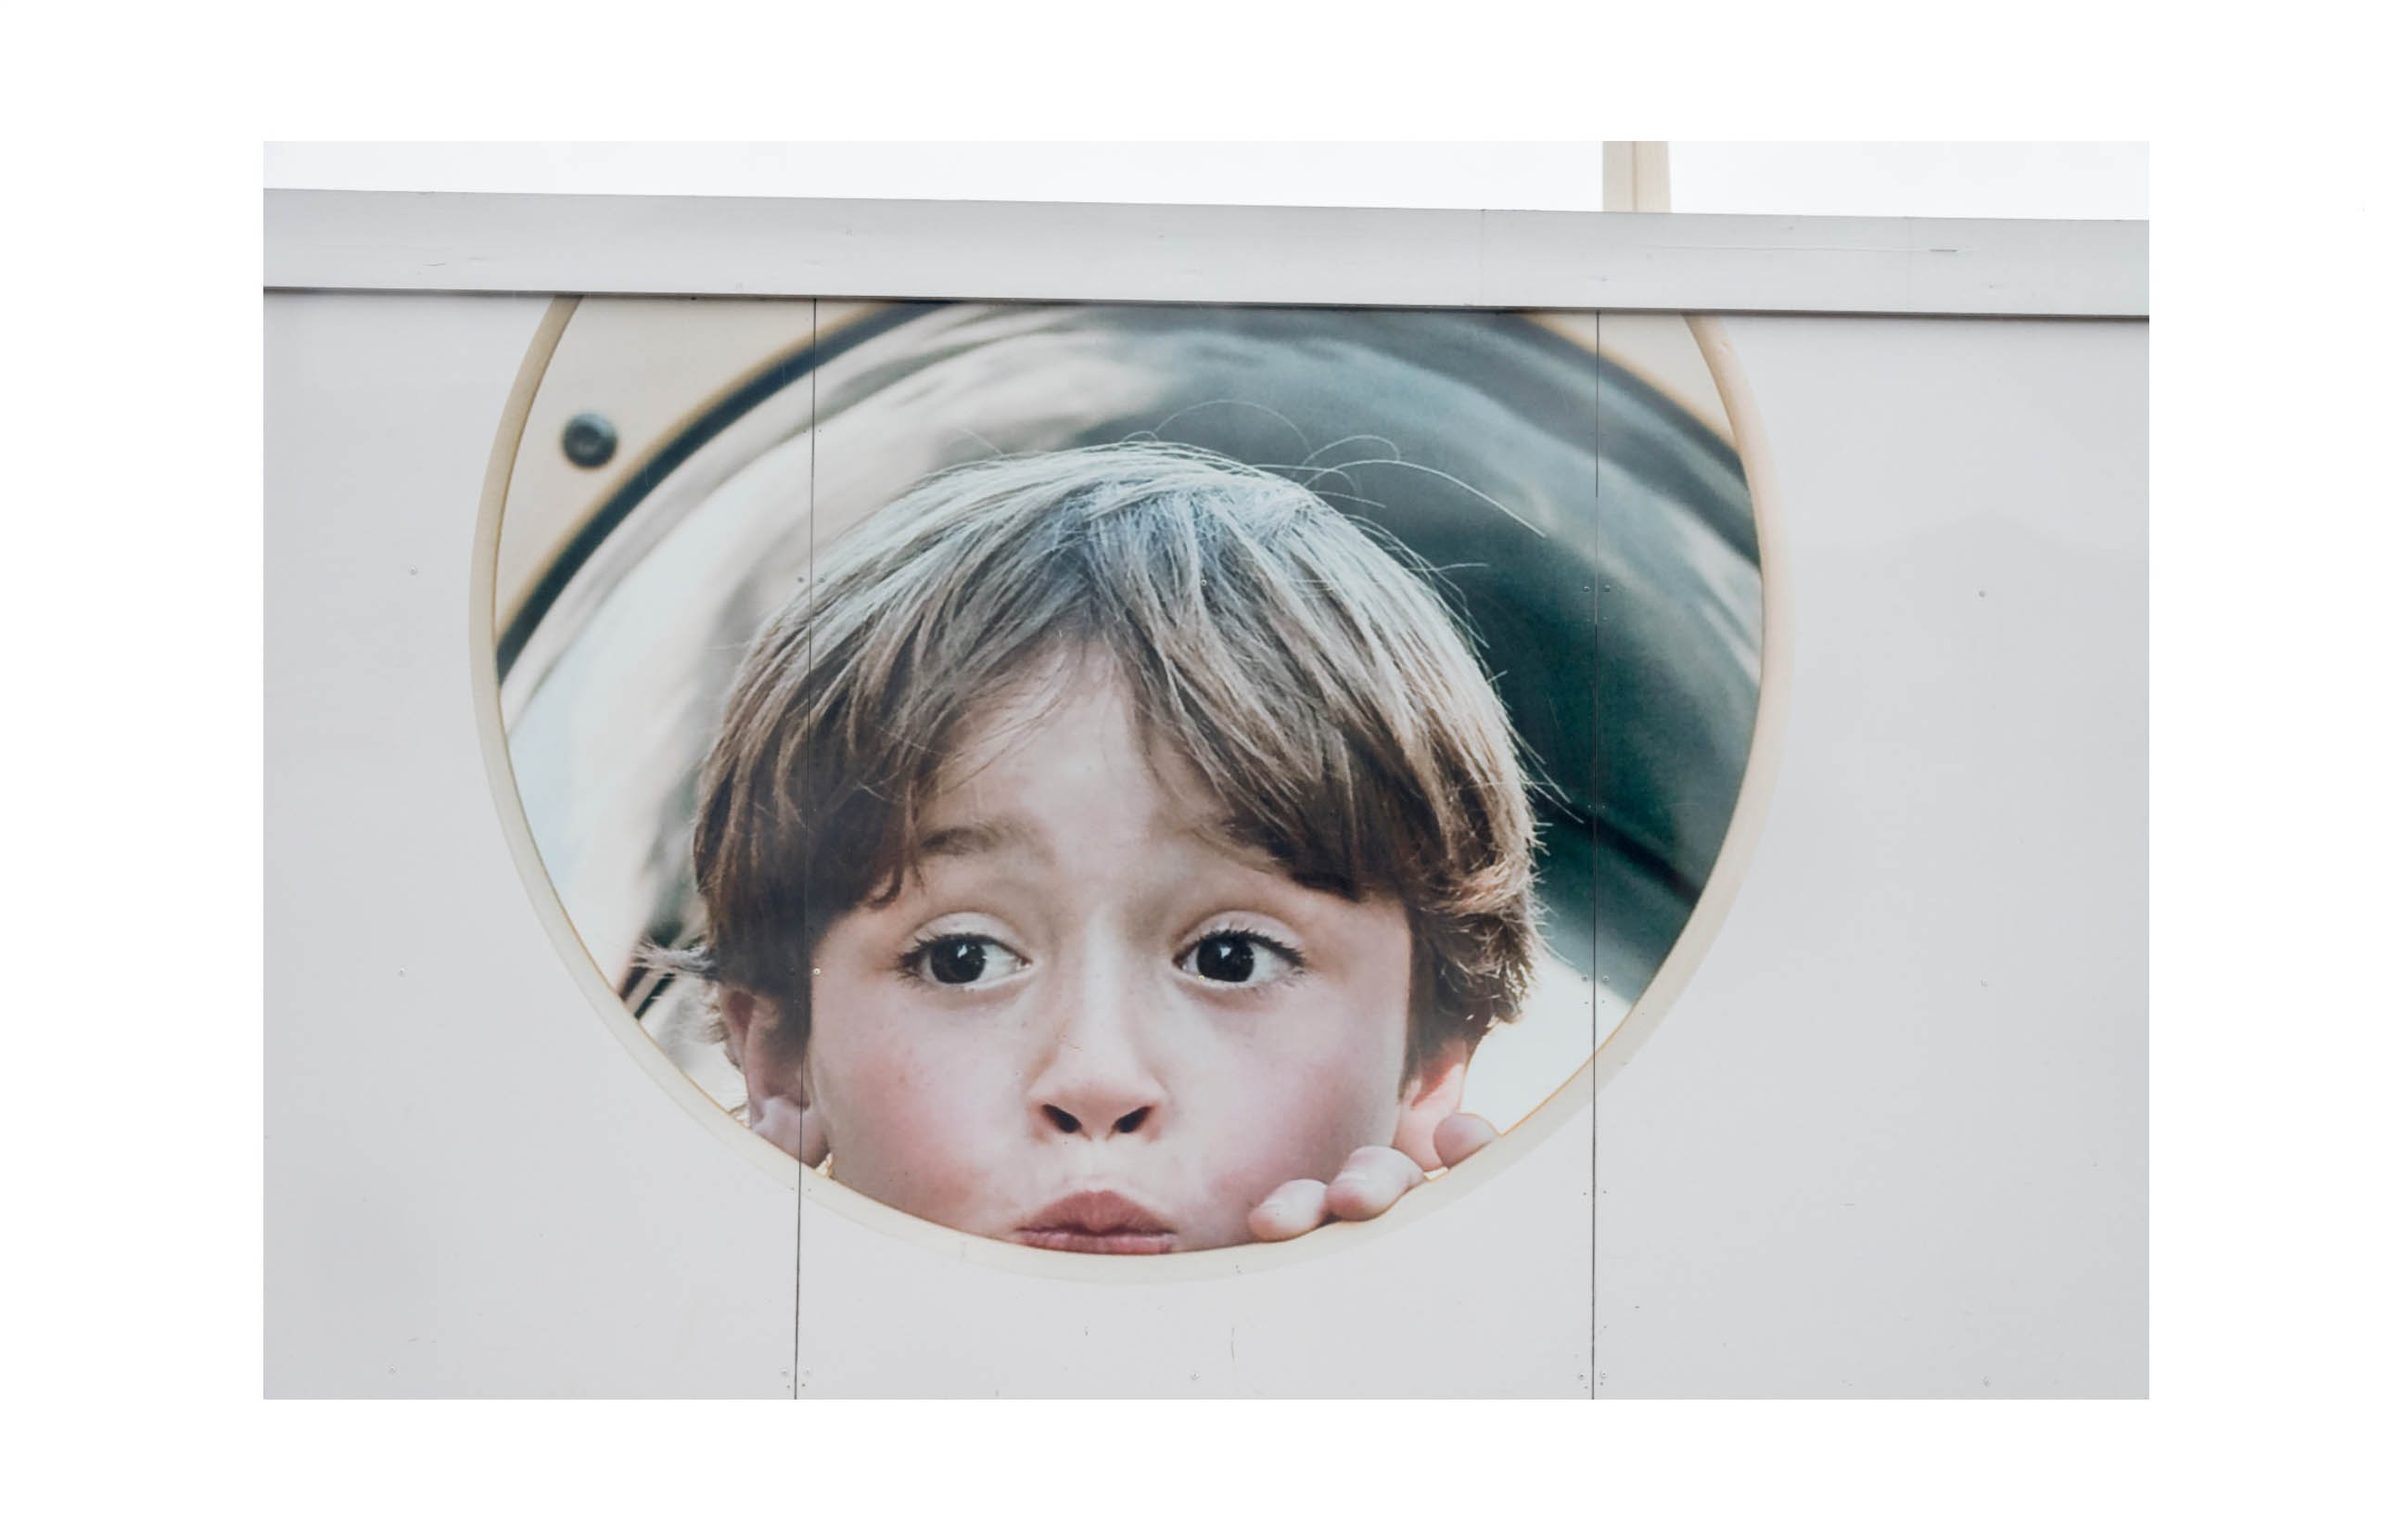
(1236, 958)
(963, 959)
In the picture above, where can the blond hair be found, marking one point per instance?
(1320, 691)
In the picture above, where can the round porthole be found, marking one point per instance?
(1567, 483)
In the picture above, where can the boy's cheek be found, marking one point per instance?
(926, 1124)
(1320, 1113)
(905, 1103)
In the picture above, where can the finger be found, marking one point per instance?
(1458, 1136)
(1372, 1179)
(1290, 1210)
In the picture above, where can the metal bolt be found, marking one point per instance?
(589, 440)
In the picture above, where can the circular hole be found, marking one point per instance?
(1566, 481)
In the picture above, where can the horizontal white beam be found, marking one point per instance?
(479, 242)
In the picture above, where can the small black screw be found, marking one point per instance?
(589, 440)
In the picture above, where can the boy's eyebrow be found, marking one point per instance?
(978, 838)
(1257, 845)
(1231, 836)
(1234, 835)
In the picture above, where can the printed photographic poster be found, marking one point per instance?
(1114, 779)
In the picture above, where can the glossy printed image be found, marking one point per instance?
(1119, 779)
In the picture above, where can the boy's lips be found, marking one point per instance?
(1098, 1221)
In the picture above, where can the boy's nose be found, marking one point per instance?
(1096, 1084)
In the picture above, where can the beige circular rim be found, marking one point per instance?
(1565, 1104)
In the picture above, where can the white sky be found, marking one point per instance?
(2043, 181)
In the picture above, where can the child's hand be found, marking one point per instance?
(1374, 1178)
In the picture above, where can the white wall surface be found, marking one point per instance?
(1888, 1142)
(471, 1190)
(1892, 1139)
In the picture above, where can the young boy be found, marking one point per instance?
(1105, 848)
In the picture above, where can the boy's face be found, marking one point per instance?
(1090, 1021)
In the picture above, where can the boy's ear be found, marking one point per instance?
(1434, 1091)
(768, 1050)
